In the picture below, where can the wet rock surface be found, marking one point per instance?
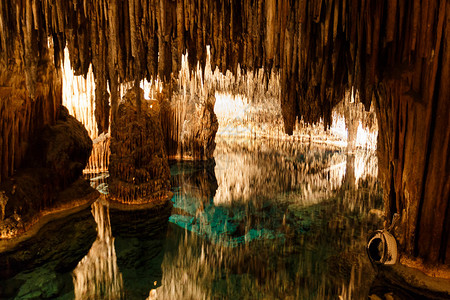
(51, 253)
(139, 171)
(50, 176)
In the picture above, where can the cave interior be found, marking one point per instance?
(392, 58)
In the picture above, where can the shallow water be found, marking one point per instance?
(264, 220)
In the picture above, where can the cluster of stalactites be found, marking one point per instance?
(322, 47)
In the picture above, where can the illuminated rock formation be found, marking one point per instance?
(189, 127)
(23, 115)
(187, 114)
(49, 177)
(139, 170)
(392, 53)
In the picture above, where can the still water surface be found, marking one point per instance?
(264, 220)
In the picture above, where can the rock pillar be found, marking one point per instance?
(413, 149)
(139, 170)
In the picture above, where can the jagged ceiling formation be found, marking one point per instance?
(396, 52)
(321, 47)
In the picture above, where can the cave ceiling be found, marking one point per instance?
(320, 47)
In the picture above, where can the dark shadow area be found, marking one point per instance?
(41, 266)
(139, 237)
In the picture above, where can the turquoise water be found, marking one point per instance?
(263, 220)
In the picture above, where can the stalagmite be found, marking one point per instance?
(139, 171)
(393, 53)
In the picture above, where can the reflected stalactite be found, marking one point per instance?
(97, 275)
(350, 179)
(140, 235)
(189, 274)
(310, 173)
(328, 262)
(252, 177)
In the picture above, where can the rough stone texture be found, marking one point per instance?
(67, 147)
(99, 159)
(139, 171)
(129, 40)
(204, 126)
(22, 116)
(189, 127)
(322, 47)
(49, 176)
(412, 105)
(396, 52)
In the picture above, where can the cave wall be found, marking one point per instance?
(412, 104)
(28, 102)
(395, 52)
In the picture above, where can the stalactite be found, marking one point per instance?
(269, 34)
(392, 51)
(17, 107)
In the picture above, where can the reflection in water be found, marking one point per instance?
(185, 273)
(39, 268)
(265, 220)
(286, 220)
(97, 275)
(246, 169)
(267, 168)
(139, 242)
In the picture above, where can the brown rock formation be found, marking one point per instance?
(66, 148)
(49, 177)
(396, 52)
(412, 105)
(139, 171)
(189, 127)
(21, 115)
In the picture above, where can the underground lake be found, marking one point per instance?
(224, 149)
